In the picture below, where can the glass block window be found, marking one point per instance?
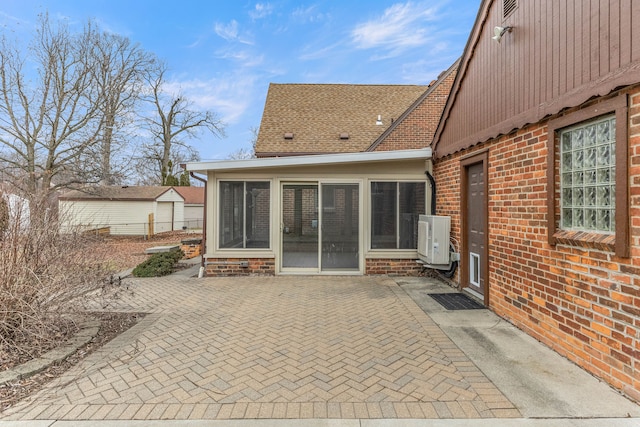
(587, 176)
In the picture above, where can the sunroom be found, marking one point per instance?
(353, 213)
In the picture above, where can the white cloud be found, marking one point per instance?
(244, 58)
(261, 10)
(425, 70)
(401, 27)
(315, 53)
(229, 96)
(309, 14)
(227, 31)
(231, 32)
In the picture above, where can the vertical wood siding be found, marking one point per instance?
(559, 54)
(126, 218)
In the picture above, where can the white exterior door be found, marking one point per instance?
(164, 217)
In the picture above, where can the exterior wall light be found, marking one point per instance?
(499, 32)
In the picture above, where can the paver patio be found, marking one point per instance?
(271, 347)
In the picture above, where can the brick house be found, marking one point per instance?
(537, 161)
(337, 187)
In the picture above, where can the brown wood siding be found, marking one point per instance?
(558, 55)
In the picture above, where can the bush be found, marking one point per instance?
(46, 278)
(159, 264)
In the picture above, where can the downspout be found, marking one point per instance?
(203, 245)
(432, 181)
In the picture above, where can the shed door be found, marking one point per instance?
(476, 220)
(164, 217)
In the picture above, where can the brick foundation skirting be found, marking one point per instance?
(240, 267)
(393, 267)
(266, 267)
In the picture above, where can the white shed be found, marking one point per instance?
(124, 210)
(193, 206)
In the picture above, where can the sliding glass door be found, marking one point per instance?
(340, 227)
(300, 232)
(320, 227)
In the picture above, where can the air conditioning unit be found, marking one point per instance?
(433, 239)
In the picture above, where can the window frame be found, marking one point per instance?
(397, 213)
(219, 209)
(618, 241)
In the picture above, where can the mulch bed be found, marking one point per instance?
(122, 253)
(127, 252)
(112, 325)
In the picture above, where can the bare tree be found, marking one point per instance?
(149, 169)
(172, 122)
(46, 127)
(120, 79)
(243, 153)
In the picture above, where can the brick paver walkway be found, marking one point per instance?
(272, 347)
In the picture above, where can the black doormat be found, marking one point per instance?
(456, 301)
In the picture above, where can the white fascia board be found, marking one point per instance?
(314, 160)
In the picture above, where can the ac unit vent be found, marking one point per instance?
(508, 6)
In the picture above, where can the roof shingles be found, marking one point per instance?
(317, 114)
(116, 193)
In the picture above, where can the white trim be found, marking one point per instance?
(472, 269)
(280, 269)
(315, 160)
(391, 253)
(243, 252)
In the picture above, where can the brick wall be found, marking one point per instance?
(191, 250)
(582, 302)
(307, 217)
(447, 175)
(233, 267)
(417, 129)
(266, 267)
(392, 267)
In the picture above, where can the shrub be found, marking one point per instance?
(46, 278)
(159, 264)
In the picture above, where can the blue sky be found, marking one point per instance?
(223, 54)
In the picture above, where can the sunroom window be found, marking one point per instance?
(587, 176)
(395, 208)
(244, 214)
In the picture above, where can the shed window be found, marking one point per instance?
(244, 214)
(395, 208)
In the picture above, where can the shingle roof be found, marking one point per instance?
(117, 193)
(317, 114)
(191, 195)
